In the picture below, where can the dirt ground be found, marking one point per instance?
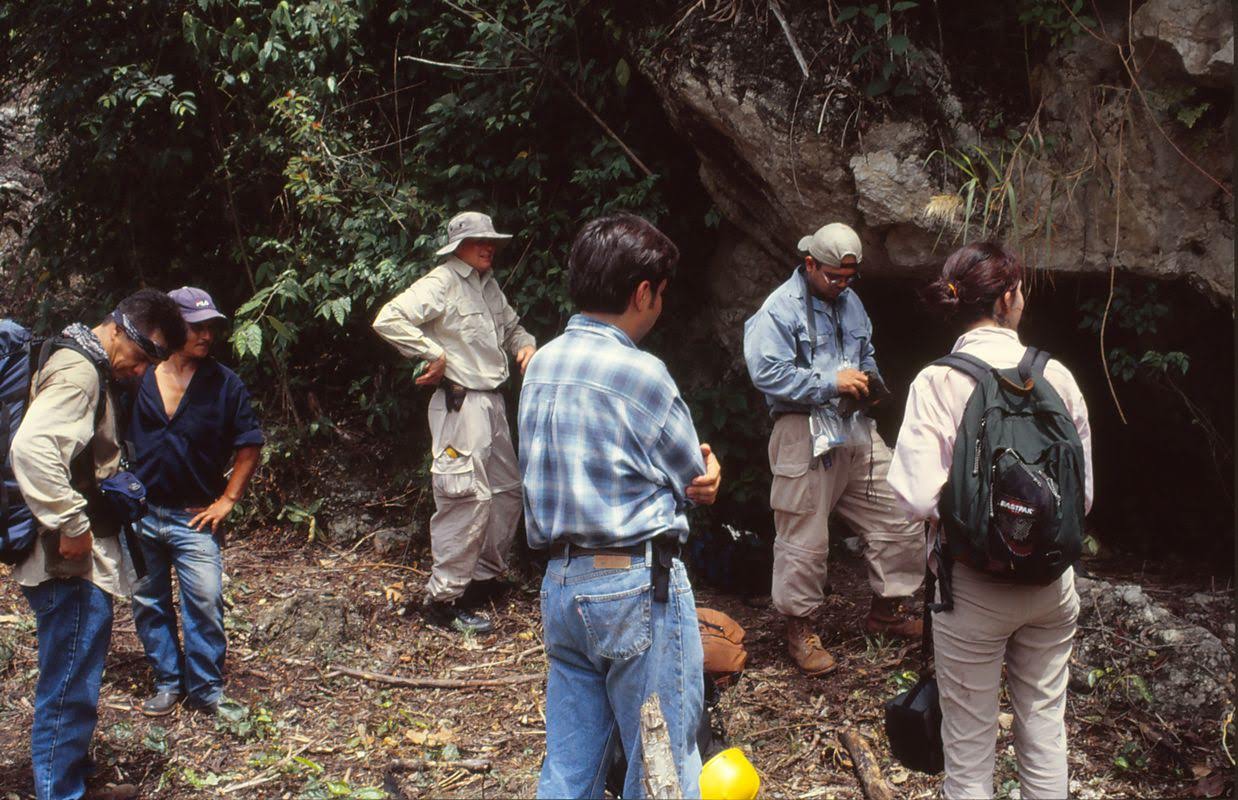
(303, 730)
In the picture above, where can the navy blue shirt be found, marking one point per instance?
(182, 460)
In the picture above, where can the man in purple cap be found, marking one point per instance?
(191, 418)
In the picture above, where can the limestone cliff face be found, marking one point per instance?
(1111, 182)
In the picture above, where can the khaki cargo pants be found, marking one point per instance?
(1033, 628)
(477, 499)
(802, 496)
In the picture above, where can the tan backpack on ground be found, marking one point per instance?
(723, 641)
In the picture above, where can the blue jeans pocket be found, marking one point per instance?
(618, 625)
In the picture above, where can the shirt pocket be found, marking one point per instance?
(791, 490)
(618, 625)
(453, 476)
(474, 322)
(857, 338)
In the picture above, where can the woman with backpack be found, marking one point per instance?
(1005, 505)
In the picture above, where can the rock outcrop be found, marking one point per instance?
(1106, 177)
(1131, 645)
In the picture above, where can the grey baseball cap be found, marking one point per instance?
(195, 304)
(832, 243)
(471, 225)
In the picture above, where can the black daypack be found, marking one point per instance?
(1013, 503)
(21, 356)
(913, 718)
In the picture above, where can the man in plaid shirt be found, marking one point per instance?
(611, 463)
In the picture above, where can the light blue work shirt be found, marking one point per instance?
(781, 359)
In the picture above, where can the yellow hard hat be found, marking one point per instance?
(729, 776)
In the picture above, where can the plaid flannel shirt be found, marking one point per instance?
(607, 445)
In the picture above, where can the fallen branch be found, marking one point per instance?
(433, 683)
(661, 778)
(414, 764)
(867, 770)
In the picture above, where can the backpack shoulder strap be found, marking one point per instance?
(1032, 365)
(54, 343)
(967, 364)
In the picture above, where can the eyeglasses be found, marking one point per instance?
(840, 280)
(150, 348)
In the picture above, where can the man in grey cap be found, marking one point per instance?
(457, 319)
(190, 420)
(809, 350)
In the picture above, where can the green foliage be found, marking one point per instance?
(1137, 314)
(156, 740)
(300, 160)
(1131, 756)
(306, 515)
(889, 56)
(243, 722)
(1053, 20)
(317, 789)
(904, 679)
(735, 427)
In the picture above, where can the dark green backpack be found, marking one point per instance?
(1013, 503)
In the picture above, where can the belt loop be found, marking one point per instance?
(567, 553)
(649, 553)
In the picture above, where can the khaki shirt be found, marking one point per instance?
(56, 428)
(456, 310)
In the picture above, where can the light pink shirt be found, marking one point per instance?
(935, 406)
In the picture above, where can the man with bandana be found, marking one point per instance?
(67, 443)
(809, 350)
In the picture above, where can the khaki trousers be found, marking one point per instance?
(477, 500)
(1033, 627)
(803, 494)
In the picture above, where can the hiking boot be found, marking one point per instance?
(162, 704)
(453, 617)
(480, 594)
(805, 648)
(886, 617)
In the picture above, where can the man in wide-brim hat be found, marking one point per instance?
(457, 320)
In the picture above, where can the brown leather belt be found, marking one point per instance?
(665, 549)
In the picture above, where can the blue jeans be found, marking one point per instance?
(74, 622)
(610, 645)
(168, 542)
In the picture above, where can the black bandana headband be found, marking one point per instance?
(149, 347)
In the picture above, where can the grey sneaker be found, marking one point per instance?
(162, 704)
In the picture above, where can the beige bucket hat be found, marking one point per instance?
(471, 225)
(832, 243)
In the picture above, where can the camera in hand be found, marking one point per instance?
(877, 391)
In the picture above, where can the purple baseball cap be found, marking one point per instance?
(195, 304)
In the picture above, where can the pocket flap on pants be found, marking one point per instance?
(452, 475)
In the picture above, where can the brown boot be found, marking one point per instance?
(886, 617)
(805, 648)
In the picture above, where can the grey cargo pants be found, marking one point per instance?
(477, 498)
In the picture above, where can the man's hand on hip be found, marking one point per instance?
(75, 547)
(213, 515)
(704, 490)
(434, 372)
(522, 357)
(852, 382)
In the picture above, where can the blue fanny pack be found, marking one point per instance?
(124, 497)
